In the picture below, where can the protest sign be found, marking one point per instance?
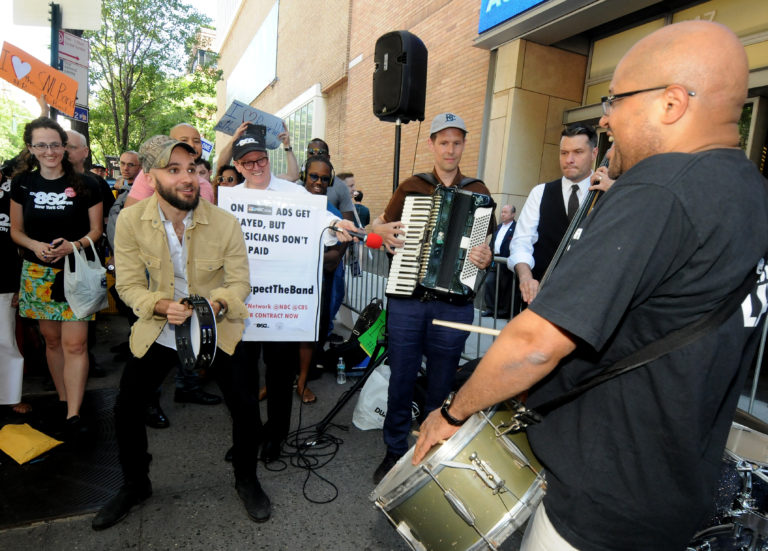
(32, 75)
(239, 112)
(283, 239)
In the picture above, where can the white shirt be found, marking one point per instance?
(178, 251)
(500, 233)
(278, 184)
(527, 229)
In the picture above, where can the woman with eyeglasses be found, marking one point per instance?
(53, 210)
(317, 176)
(228, 177)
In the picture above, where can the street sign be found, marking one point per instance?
(74, 49)
(80, 74)
(81, 114)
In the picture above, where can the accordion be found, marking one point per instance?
(440, 230)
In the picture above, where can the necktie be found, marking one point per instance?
(573, 202)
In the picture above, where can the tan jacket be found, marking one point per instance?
(217, 268)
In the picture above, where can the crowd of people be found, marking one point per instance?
(631, 464)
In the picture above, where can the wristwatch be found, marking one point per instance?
(288, 149)
(447, 416)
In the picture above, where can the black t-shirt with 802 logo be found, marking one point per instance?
(52, 208)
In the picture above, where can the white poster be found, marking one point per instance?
(283, 233)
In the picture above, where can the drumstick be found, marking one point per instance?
(467, 327)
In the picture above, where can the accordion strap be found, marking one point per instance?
(430, 178)
(654, 350)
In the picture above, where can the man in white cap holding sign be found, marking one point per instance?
(409, 320)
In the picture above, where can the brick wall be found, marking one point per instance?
(457, 75)
(312, 48)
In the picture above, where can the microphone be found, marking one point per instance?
(371, 240)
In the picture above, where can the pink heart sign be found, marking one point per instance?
(30, 74)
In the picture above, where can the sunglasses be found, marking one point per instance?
(228, 179)
(324, 179)
(314, 151)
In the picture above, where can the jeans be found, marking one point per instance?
(411, 335)
(140, 380)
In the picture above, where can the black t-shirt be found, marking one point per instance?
(632, 463)
(53, 209)
(107, 197)
(9, 253)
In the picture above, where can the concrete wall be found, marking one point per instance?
(533, 85)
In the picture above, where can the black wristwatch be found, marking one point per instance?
(447, 416)
(288, 149)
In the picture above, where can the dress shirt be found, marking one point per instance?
(178, 250)
(527, 229)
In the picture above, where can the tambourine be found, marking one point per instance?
(196, 337)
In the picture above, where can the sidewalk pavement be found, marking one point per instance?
(194, 505)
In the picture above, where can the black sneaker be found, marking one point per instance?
(197, 396)
(384, 467)
(255, 500)
(119, 506)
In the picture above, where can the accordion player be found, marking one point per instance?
(440, 231)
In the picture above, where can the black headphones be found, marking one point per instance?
(320, 158)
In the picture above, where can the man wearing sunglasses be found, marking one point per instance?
(249, 152)
(633, 462)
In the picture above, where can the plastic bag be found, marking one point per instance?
(85, 287)
(371, 407)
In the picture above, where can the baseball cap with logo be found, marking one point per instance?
(447, 120)
(253, 139)
(156, 151)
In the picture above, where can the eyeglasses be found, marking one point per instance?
(324, 179)
(55, 146)
(314, 151)
(73, 147)
(228, 179)
(608, 101)
(250, 165)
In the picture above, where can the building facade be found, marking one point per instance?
(515, 71)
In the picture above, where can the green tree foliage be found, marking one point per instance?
(13, 117)
(138, 83)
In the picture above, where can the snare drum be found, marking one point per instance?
(471, 492)
(749, 444)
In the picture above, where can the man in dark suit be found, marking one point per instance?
(500, 247)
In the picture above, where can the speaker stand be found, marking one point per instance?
(396, 174)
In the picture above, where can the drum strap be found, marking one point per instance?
(661, 347)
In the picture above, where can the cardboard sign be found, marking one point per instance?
(239, 112)
(32, 75)
(282, 234)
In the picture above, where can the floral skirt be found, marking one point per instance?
(35, 300)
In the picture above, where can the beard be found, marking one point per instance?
(176, 201)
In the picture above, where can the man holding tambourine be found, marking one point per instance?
(168, 247)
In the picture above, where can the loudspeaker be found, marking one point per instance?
(399, 77)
